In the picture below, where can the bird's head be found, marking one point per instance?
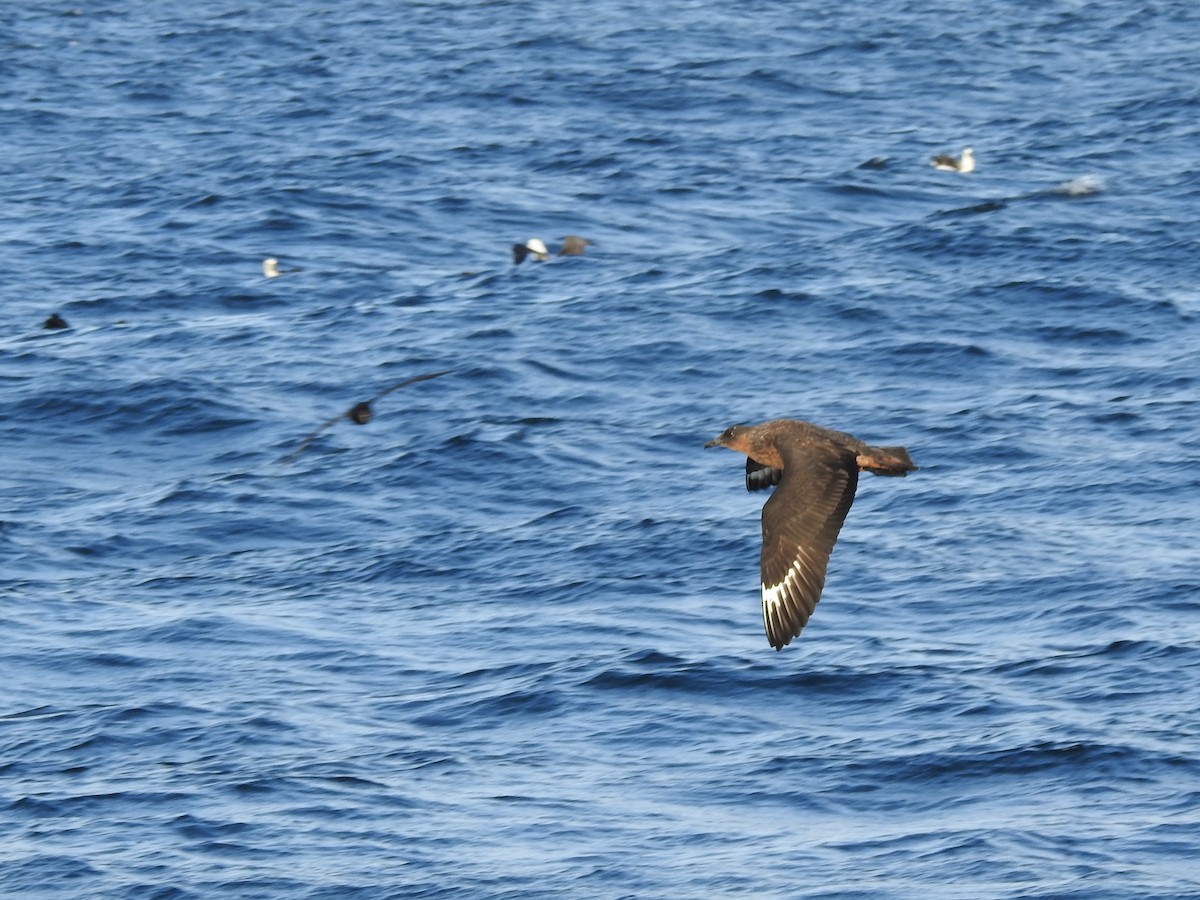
(733, 437)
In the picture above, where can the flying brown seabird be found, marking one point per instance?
(359, 413)
(816, 471)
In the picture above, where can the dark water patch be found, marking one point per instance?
(30, 873)
(1092, 762)
(985, 206)
(859, 190)
(784, 295)
(1088, 335)
(945, 358)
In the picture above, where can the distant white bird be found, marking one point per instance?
(572, 245)
(535, 246)
(270, 268)
(947, 163)
(1081, 186)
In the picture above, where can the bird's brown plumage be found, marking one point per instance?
(964, 163)
(573, 245)
(815, 471)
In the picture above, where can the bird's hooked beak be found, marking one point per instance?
(732, 437)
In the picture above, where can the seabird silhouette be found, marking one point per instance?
(573, 245)
(948, 163)
(270, 268)
(533, 246)
(359, 413)
(816, 471)
(55, 321)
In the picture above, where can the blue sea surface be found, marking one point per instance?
(505, 640)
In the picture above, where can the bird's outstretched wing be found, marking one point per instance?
(800, 524)
(759, 476)
(406, 382)
(360, 413)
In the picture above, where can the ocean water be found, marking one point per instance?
(504, 640)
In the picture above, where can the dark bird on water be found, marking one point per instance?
(55, 321)
(359, 413)
(816, 471)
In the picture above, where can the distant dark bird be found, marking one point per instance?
(359, 413)
(964, 163)
(573, 245)
(816, 471)
(55, 321)
(270, 268)
(533, 246)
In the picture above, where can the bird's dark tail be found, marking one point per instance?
(886, 461)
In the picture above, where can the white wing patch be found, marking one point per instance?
(784, 609)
